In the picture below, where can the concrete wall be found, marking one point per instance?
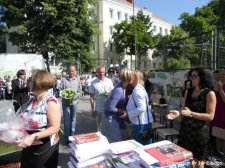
(11, 63)
(172, 82)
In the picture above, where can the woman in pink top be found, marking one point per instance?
(219, 118)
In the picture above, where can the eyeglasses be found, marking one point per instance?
(193, 77)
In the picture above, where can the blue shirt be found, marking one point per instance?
(117, 100)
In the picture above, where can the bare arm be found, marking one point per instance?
(54, 118)
(210, 109)
(92, 102)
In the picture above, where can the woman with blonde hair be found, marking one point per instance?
(111, 123)
(138, 109)
(42, 118)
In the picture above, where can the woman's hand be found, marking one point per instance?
(172, 114)
(186, 111)
(124, 115)
(26, 142)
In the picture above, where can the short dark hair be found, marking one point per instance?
(20, 72)
(111, 70)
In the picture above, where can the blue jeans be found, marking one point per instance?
(2, 94)
(69, 119)
(137, 130)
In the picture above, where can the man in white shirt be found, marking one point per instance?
(100, 86)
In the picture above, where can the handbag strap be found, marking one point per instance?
(146, 109)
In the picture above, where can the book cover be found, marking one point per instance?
(127, 160)
(124, 146)
(90, 145)
(170, 153)
(183, 164)
(145, 159)
(103, 164)
(85, 138)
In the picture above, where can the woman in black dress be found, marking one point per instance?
(200, 103)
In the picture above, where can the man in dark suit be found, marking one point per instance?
(20, 89)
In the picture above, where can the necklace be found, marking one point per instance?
(38, 98)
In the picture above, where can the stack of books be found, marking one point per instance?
(93, 150)
(164, 154)
(123, 155)
(88, 149)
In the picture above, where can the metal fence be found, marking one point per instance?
(206, 50)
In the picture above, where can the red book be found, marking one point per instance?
(84, 138)
(169, 153)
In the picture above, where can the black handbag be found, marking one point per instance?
(147, 134)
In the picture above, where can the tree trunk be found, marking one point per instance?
(138, 61)
(45, 56)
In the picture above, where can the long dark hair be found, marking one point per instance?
(206, 80)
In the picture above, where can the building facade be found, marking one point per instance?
(111, 12)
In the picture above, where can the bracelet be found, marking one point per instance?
(35, 137)
(190, 115)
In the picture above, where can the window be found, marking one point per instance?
(160, 65)
(160, 30)
(166, 31)
(111, 13)
(119, 15)
(111, 47)
(126, 16)
(154, 65)
(110, 30)
(154, 28)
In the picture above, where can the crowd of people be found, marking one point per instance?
(118, 102)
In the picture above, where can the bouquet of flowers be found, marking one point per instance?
(68, 93)
(11, 128)
(105, 94)
(12, 136)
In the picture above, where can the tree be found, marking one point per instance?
(202, 22)
(221, 11)
(177, 53)
(47, 26)
(2, 38)
(136, 32)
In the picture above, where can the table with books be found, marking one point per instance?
(93, 150)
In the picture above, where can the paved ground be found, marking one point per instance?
(85, 124)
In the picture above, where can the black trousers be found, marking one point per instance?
(40, 156)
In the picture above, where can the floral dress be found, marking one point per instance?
(34, 118)
(194, 133)
(45, 153)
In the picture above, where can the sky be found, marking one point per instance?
(171, 9)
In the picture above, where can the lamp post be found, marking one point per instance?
(135, 38)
